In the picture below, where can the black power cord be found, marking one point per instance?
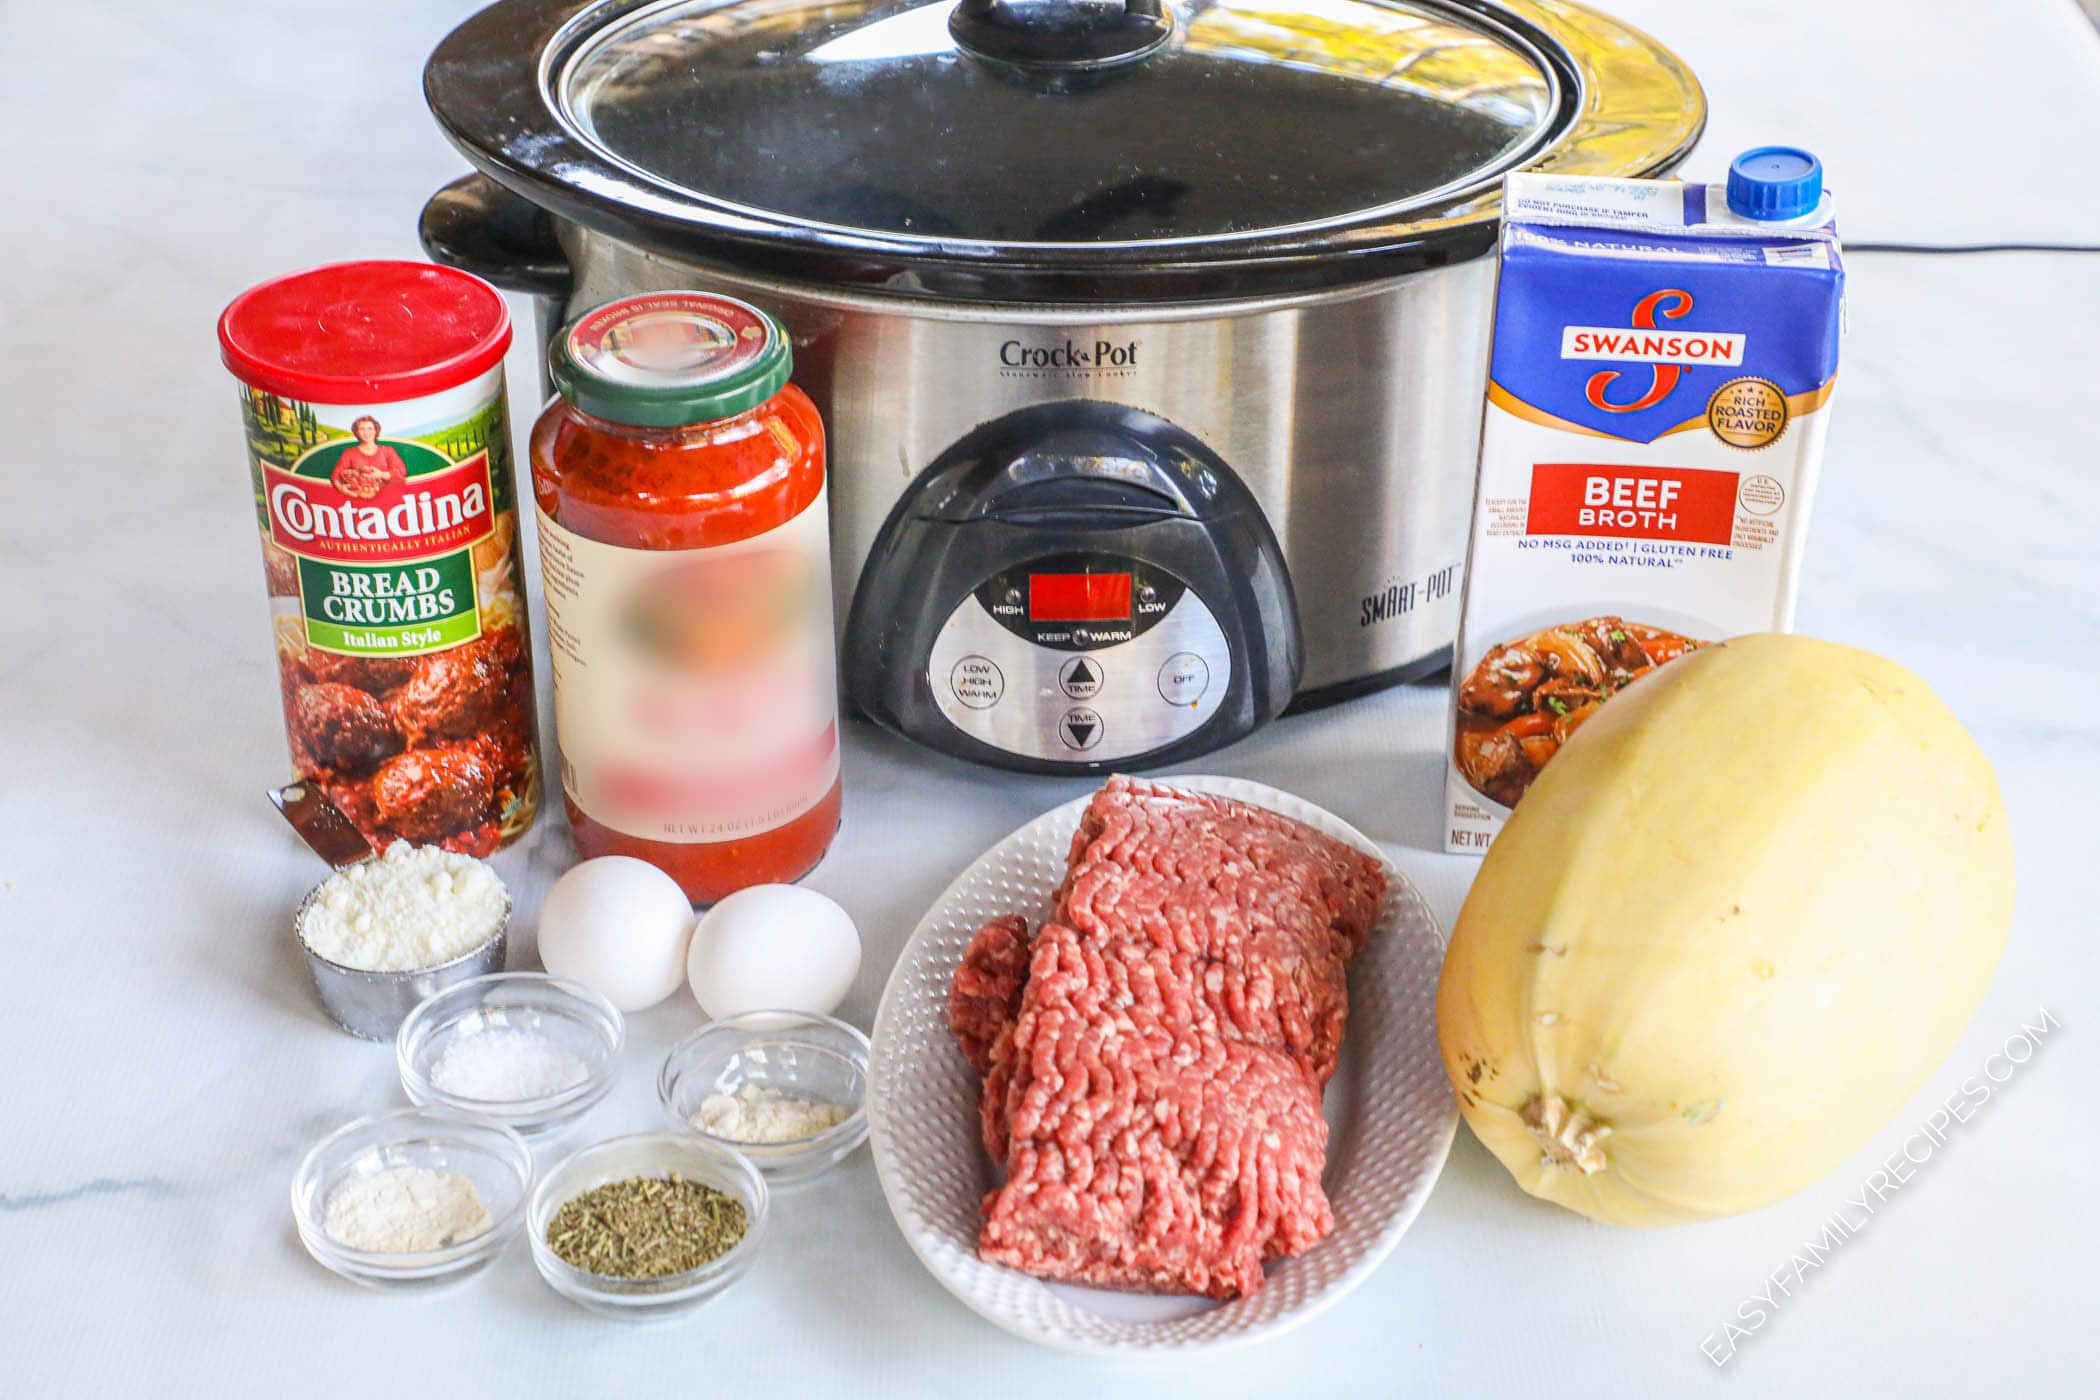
(1931, 249)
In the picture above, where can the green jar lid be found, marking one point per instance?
(667, 359)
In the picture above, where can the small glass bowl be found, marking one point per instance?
(797, 1054)
(647, 1154)
(493, 1157)
(569, 1014)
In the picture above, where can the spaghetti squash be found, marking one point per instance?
(1733, 926)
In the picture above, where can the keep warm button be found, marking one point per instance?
(977, 682)
(1184, 678)
(1080, 728)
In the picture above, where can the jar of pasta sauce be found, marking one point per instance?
(685, 548)
(379, 449)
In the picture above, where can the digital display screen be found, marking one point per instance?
(1078, 597)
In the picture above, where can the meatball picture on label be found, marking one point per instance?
(341, 727)
(431, 793)
(462, 692)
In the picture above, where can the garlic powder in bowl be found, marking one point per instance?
(786, 1089)
(757, 1115)
(413, 907)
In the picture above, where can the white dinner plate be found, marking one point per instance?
(1389, 1109)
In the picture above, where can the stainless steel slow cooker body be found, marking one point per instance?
(1336, 364)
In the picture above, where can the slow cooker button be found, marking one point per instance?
(1080, 677)
(1080, 728)
(1184, 678)
(977, 681)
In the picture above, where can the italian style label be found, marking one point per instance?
(389, 610)
(695, 691)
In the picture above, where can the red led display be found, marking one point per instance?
(1078, 597)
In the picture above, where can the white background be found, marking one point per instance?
(165, 1064)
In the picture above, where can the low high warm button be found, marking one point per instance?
(1080, 677)
(977, 681)
(1184, 678)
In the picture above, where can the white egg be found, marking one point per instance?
(620, 926)
(773, 948)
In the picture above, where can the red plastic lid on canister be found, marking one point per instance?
(365, 332)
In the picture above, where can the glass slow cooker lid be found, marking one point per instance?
(1099, 152)
(1061, 122)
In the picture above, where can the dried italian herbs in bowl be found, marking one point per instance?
(647, 1226)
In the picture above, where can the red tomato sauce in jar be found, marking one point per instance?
(684, 545)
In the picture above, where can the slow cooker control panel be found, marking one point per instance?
(1069, 588)
(1080, 657)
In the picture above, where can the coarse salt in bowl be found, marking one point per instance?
(527, 1049)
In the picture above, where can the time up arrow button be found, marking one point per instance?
(1080, 677)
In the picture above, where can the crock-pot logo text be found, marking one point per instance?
(442, 511)
(1667, 350)
(1069, 355)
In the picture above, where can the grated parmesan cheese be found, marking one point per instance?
(414, 907)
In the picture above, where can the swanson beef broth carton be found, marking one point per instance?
(1664, 356)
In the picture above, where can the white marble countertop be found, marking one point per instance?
(165, 1062)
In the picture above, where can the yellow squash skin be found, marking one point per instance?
(1731, 928)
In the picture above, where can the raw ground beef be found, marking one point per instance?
(1146, 1149)
(1276, 908)
(986, 995)
(1153, 1061)
(1148, 843)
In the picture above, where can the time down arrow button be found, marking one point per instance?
(1080, 728)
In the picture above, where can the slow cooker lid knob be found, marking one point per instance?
(1060, 35)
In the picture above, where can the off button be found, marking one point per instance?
(977, 682)
(1184, 678)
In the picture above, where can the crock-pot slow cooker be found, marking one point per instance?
(1151, 336)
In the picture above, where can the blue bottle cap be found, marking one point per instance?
(1774, 182)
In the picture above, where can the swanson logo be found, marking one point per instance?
(1669, 351)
